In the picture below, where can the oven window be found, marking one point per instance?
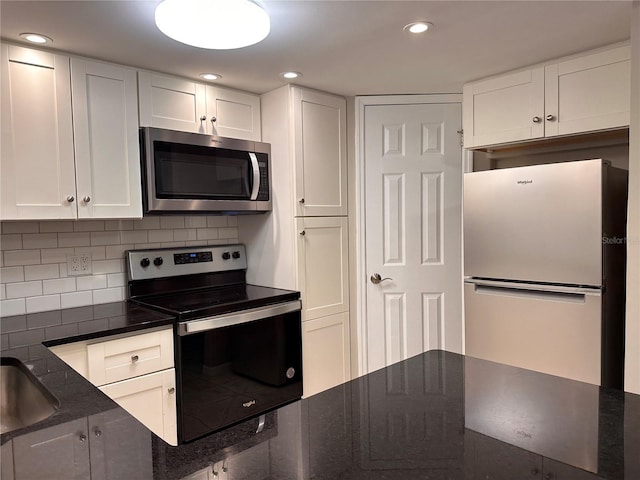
(197, 172)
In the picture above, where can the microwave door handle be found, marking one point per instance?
(256, 176)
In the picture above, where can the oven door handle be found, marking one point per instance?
(256, 176)
(219, 321)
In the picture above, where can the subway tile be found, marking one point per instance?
(218, 242)
(135, 236)
(74, 315)
(4, 341)
(232, 221)
(207, 233)
(43, 303)
(11, 242)
(88, 226)
(39, 240)
(195, 221)
(147, 223)
(59, 285)
(63, 270)
(185, 234)
(41, 272)
(172, 244)
(13, 307)
(118, 225)
(20, 227)
(176, 221)
(16, 323)
(216, 221)
(14, 258)
(76, 239)
(142, 246)
(117, 251)
(116, 280)
(76, 299)
(26, 338)
(61, 331)
(108, 310)
(24, 289)
(91, 282)
(44, 319)
(97, 253)
(105, 238)
(3, 291)
(11, 274)
(108, 266)
(108, 295)
(56, 255)
(160, 235)
(196, 243)
(228, 233)
(56, 227)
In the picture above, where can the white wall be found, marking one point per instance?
(632, 350)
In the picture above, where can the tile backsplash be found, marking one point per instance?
(33, 260)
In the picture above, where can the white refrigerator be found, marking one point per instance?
(544, 265)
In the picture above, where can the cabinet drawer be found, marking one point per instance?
(129, 357)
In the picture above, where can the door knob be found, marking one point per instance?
(376, 278)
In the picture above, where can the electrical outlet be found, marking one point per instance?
(79, 264)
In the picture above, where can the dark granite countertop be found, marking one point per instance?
(438, 415)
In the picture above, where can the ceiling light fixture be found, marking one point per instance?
(213, 24)
(211, 76)
(290, 75)
(35, 38)
(418, 27)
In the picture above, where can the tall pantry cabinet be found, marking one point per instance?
(302, 244)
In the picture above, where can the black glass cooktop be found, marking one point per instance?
(205, 302)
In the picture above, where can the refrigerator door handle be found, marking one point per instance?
(531, 290)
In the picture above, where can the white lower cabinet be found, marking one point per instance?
(325, 353)
(151, 399)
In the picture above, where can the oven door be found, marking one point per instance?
(232, 367)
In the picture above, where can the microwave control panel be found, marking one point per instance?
(263, 191)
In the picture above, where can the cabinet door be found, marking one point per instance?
(120, 447)
(588, 93)
(174, 103)
(320, 153)
(323, 266)
(504, 109)
(325, 353)
(6, 461)
(151, 399)
(57, 452)
(105, 125)
(237, 114)
(37, 165)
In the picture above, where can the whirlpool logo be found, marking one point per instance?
(524, 182)
(248, 404)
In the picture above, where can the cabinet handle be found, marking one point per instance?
(82, 437)
(548, 476)
(203, 118)
(134, 358)
(171, 390)
(86, 199)
(301, 201)
(213, 120)
(550, 118)
(71, 199)
(535, 471)
(303, 233)
(536, 119)
(97, 432)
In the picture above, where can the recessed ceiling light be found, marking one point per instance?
(211, 76)
(213, 24)
(418, 27)
(290, 75)
(35, 38)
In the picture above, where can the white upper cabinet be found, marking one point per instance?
(178, 104)
(582, 94)
(54, 167)
(37, 164)
(107, 152)
(319, 122)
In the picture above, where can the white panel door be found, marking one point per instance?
(237, 114)
(173, 103)
(37, 164)
(105, 125)
(413, 175)
(323, 265)
(320, 153)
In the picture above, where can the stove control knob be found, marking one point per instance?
(236, 255)
(157, 261)
(226, 256)
(144, 263)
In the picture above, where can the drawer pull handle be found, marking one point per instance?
(134, 358)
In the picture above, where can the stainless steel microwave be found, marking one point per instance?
(194, 173)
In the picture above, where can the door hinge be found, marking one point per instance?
(461, 133)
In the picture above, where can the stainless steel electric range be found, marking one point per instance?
(238, 347)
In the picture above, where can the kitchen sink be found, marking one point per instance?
(23, 399)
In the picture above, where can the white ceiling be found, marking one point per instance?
(345, 47)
